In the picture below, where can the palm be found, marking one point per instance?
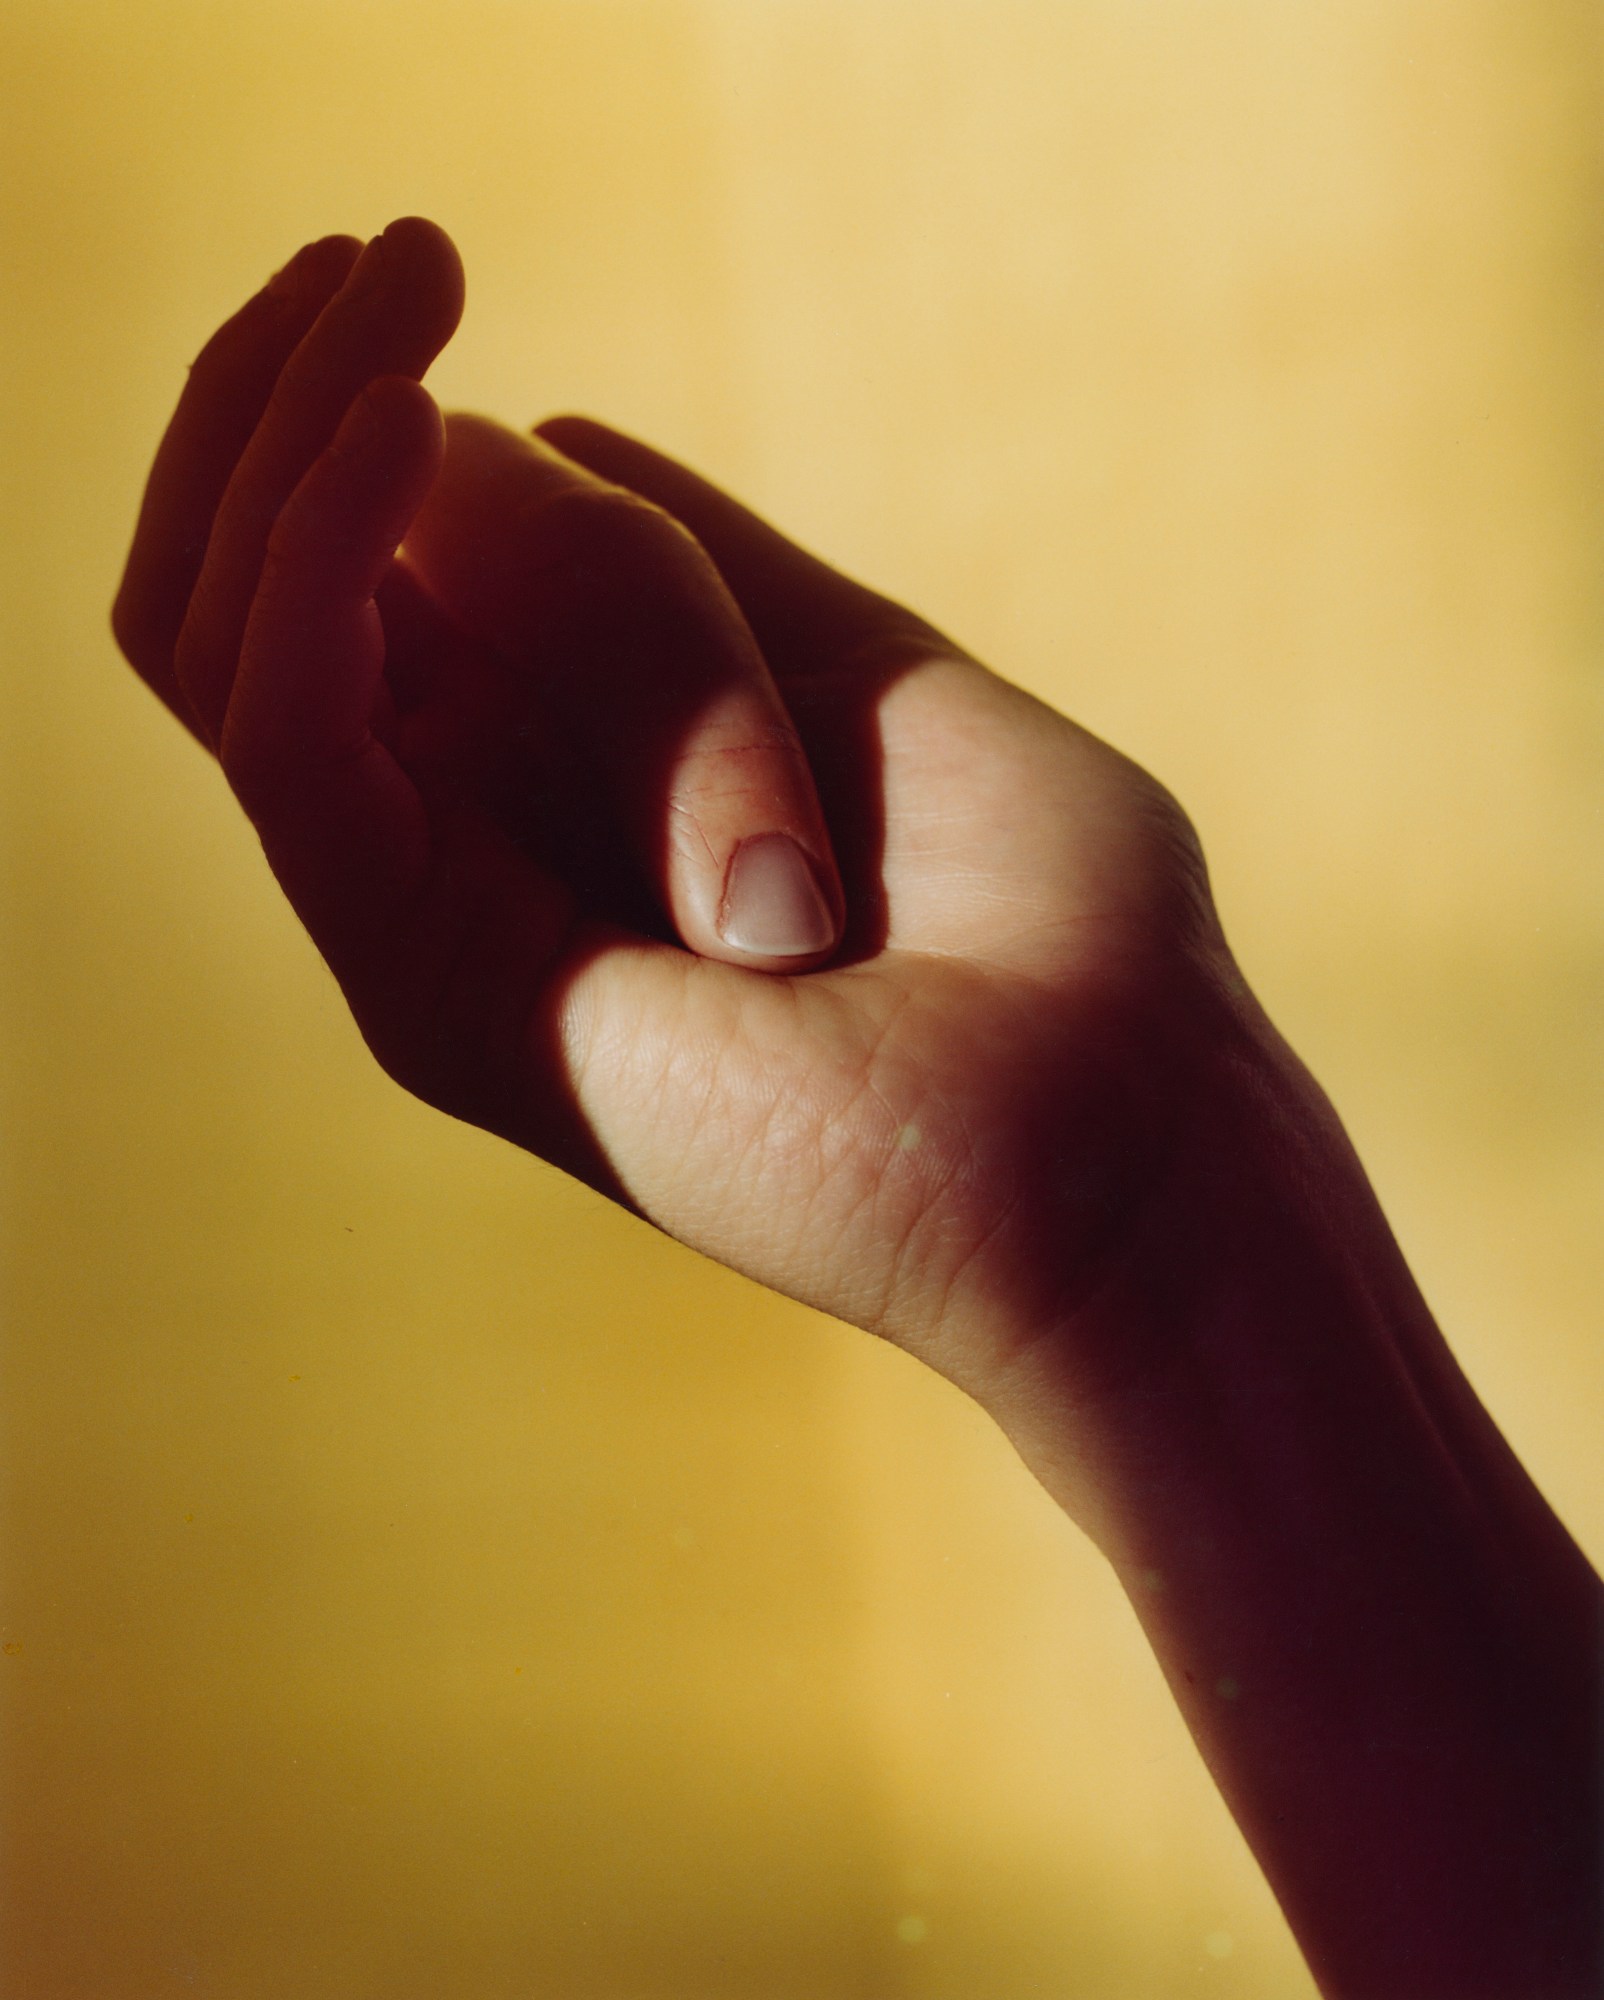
(880, 1139)
(873, 1137)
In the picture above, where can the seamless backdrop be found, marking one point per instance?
(424, 1583)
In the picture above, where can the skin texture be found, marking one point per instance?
(500, 793)
(1017, 1112)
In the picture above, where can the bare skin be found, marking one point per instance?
(634, 834)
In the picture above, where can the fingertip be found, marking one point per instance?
(569, 433)
(431, 262)
(317, 270)
(400, 402)
(393, 432)
(405, 230)
(475, 438)
(329, 258)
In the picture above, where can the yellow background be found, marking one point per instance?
(427, 1584)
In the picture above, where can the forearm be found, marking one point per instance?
(1399, 1713)
(1384, 1643)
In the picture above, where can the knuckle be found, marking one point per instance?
(1185, 899)
(131, 627)
(217, 361)
(307, 543)
(282, 546)
(233, 346)
(889, 638)
(190, 651)
(764, 758)
(262, 774)
(251, 775)
(595, 529)
(1172, 826)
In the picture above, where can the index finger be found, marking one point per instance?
(614, 610)
(807, 617)
(230, 382)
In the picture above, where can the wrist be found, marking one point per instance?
(1252, 1252)
(1385, 1645)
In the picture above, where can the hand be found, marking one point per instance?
(638, 836)
(634, 834)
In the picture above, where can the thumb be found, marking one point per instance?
(617, 616)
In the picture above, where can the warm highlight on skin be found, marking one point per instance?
(1018, 1113)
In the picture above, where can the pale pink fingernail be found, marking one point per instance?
(773, 906)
